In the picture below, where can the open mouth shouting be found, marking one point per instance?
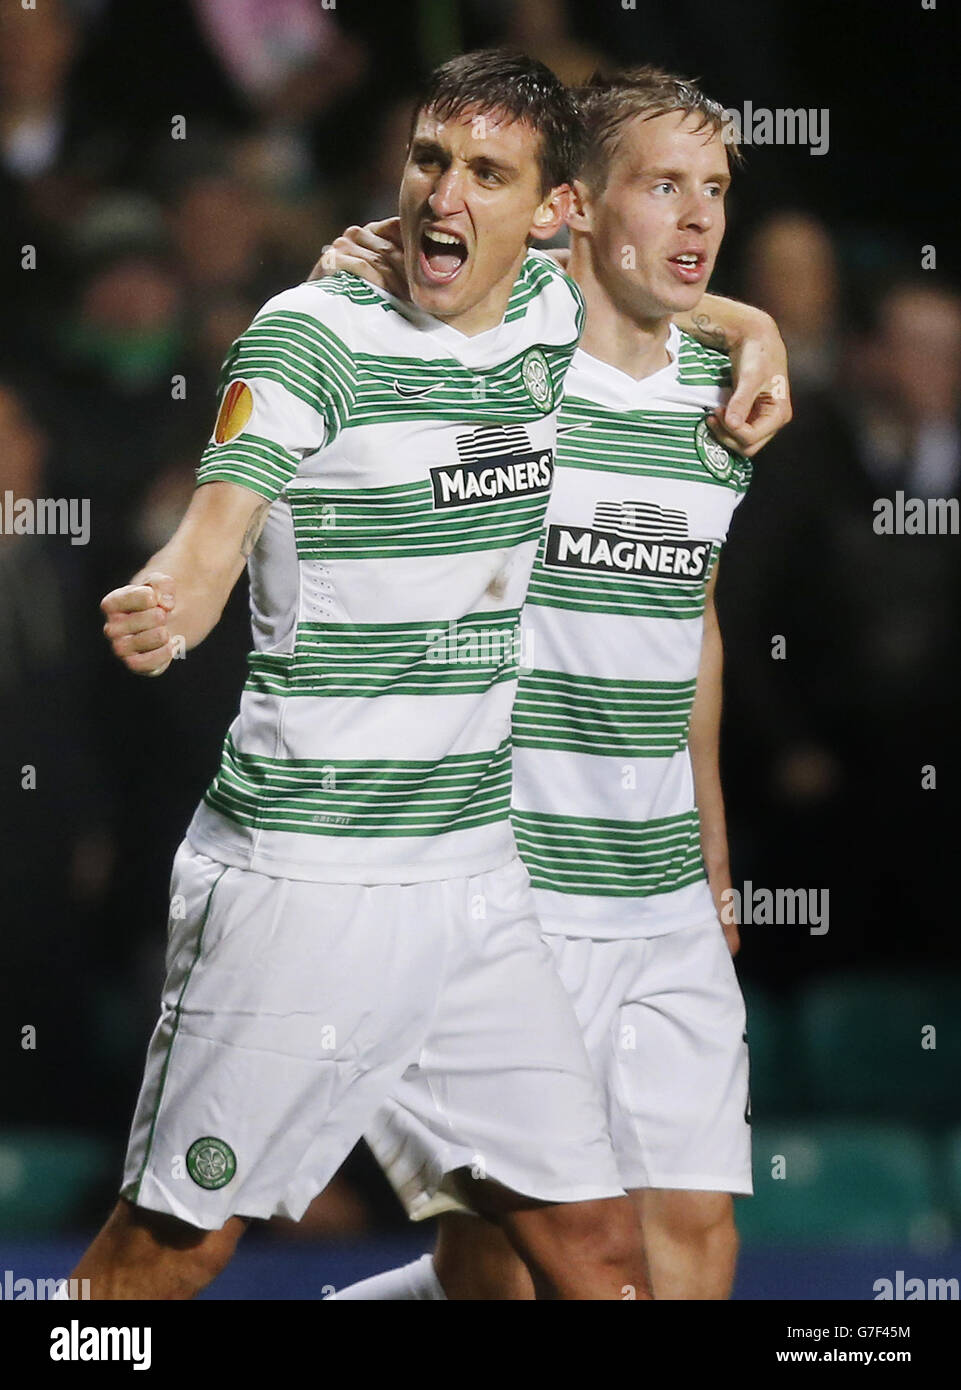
(443, 255)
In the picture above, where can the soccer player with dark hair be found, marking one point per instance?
(348, 906)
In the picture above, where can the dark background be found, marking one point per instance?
(153, 253)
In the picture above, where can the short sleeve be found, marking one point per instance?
(287, 388)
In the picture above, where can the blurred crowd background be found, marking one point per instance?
(131, 258)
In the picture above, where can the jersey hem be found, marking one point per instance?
(557, 926)
(259, 862)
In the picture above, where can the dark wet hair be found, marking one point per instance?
(498, 81)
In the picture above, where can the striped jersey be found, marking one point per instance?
(408, 467)
(604, 808)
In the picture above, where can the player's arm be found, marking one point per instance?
(760, 403)
(704, 743)
(287, 388)
(179, 595)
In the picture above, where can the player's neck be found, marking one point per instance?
(489, 312)
(631, 341)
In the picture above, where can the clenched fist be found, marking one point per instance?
(136, 625)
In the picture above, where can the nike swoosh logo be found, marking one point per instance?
(412, 392)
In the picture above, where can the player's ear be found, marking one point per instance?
(579, 217)
(552, 213)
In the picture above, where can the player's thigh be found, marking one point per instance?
(594, 1240)
(504, 1077)
(135, 1238)
(664, 1022)
(474, 1259)
(290, 1009)
(685, 1014)
(684, 1217)
(483, 1257)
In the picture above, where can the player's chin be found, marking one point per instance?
(681, 299)
(440, 298)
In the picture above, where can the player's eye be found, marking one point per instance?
(664, 184)
(714, 190)
(489, 177)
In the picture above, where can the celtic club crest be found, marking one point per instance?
(537, 380)
(712, 453)
(211, 1163)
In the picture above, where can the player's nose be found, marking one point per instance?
(447, 196)
(698, 214)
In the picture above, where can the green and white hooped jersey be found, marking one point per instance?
(604, 808)
(409, 468)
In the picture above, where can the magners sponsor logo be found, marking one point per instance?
(630, 538)
(494, 462)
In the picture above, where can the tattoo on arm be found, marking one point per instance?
(712, 331)
(254, 528)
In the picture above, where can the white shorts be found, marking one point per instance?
(291, 1010)
(663, 1020)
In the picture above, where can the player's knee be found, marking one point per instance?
(195, 1256)
(603, 1232)
(211, 1255)
(725, 1235)
(474, 1259)
(200, 1265)
(700, 1220)
(619, 1237)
